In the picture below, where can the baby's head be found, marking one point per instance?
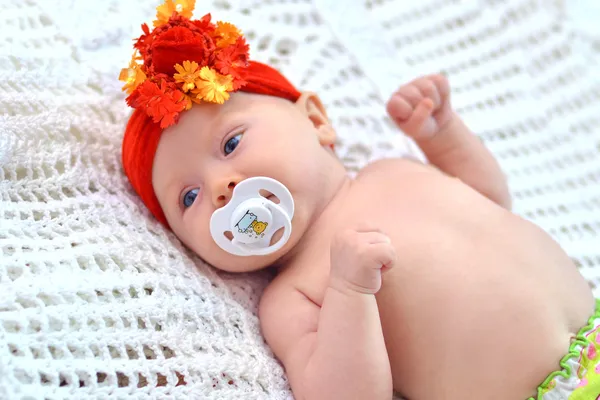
(206, 119)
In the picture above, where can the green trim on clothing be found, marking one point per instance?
(580, 342)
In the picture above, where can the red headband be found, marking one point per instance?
(184, 62)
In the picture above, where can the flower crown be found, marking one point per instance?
(183, 61)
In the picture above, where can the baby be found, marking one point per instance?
(410, 277)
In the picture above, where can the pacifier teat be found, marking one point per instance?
(252, 219)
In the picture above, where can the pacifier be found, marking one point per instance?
(253, 219)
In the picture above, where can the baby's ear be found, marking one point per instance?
(309, 104)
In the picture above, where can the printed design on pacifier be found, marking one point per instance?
(251, 220)
(250, 225)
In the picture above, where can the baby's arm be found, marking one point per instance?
(422, 110)
(336, 351)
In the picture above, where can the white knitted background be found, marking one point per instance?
(99, 301)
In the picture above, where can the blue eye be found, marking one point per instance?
(189, 197)
(232, 144)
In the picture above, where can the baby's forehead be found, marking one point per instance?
(205, 120)
(239, 105)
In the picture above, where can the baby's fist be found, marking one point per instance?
(422, 108)
(358, 259)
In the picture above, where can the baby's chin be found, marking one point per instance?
(239, 264)
(224, 261)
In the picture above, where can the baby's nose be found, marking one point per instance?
(222, 192)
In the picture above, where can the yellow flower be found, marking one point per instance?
(188, 101)
(187, 75)
(133, 75)
(212, 86)
(228, 33)
(185, 8)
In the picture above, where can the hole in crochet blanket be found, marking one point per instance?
(167, 352)
(80, 353)
(8, 251)
(93, 324)
(133, 293)
(132, 354)
(15, 351)
(36, 352)
(48, 300)
(222, 4)
(122, 379)
(100, 377)
(56, 352)
(149, 353)
(180, 379)
(285, 47)
(114, 352)
(14, 273)
(11, 326)
(74, 324)
(23, 376)
(84, 379)
(264, 43)
(45, 379)
(126, 322)
(109, 322)
(55, 324)
(142, 381)
(86, 297)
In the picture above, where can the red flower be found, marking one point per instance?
(162, 103)
(179, 44)
(204, 23)
(233, 60)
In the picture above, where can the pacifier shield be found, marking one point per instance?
(252, 219)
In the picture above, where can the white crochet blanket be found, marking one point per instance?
(97, 300)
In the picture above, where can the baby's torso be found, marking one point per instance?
(481, 304)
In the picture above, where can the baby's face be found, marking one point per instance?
(199, 161)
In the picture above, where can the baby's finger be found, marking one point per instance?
(399, 108)
(429, 90)
(415, 126)
(442, 84)
(375, 237)
(366, 227)
(410, 93)
(385, 255)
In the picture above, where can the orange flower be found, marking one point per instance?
(212, 86)
(232, 57)
(228, 34)
(161, 103)
(187, 75)
(232, 60)
(188, 101)
(165, 11)
(133, 75)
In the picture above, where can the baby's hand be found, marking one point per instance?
(358, 259)
(422, 108)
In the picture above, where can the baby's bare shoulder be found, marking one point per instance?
(396, 167)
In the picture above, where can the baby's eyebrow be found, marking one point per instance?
(225, 122)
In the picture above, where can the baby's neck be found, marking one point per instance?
(324, 218)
